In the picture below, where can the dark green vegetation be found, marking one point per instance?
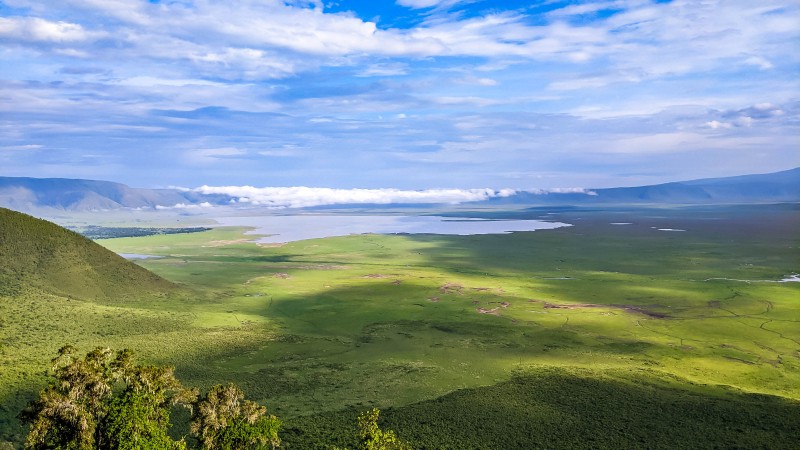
(107, 401)
(372, 437)
(332, 327)
(224, 420)
(98, 232)
(557, 408)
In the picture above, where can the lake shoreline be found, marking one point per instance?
(278, 229)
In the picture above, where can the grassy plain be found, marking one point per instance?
(317, 327)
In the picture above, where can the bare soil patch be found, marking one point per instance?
(310, 267)
(224, 243)
(494, 311)
(451, 288)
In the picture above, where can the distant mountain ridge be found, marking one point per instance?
(27, 194)
(63, 194)
(760, 188)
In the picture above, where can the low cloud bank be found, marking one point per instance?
(302, 197)
(186, 206)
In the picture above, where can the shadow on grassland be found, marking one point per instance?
(645, 241)
(562, 408)
(342, 339)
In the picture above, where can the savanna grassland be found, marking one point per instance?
(619, 331)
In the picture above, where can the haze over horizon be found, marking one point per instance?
(410, 95)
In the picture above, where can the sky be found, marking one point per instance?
(412, 95)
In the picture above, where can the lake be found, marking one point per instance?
(137, 256)
(289, 228)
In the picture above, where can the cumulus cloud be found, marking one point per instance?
(444, 90)
(272, 39)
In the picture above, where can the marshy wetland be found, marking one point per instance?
(589, 335)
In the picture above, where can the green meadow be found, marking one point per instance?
(609, 333)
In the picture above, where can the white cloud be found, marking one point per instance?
(185, 206)
(467, 100)
(418, 4)
(299, 197)
(207, 156)
(656, 143)
(158, 65)
(580, 9)
(34, 29)
(267, 39)
(285, 151)
(715, 124)
(472, 80)
(149, 81)
(17, 148)
(384, 70)
(581, 83)
(302, 197)
(760, 62)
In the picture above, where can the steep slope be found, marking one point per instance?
(39, 255)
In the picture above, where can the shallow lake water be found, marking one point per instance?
(137, 256)
(289, 228)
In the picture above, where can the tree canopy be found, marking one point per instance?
(224, 420)
(372, 437)
(107, 401)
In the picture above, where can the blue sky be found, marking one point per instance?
(410, 94)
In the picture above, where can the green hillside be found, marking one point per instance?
(616, 332)
(39, 255)
(59, 287)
